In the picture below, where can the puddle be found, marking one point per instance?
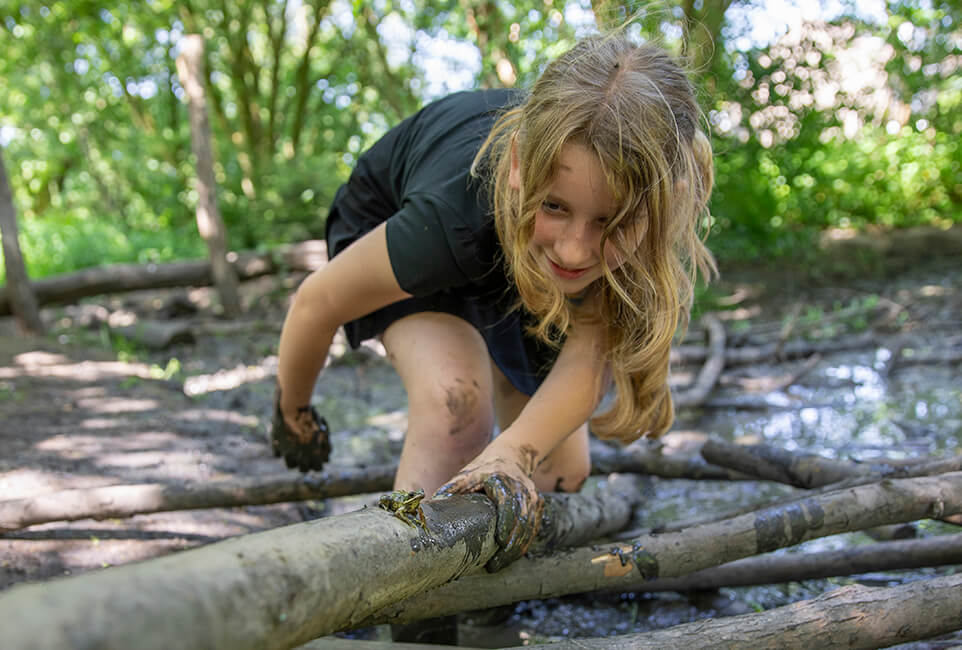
(847, 406)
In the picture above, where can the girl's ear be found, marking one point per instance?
(514, 174)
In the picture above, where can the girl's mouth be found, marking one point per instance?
(562, 272)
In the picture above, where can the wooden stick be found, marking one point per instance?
(850, 617)
(631, 564)
(941, 550)
(710, 371)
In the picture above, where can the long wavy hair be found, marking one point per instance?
(635, 108)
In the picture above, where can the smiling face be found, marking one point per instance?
(570, 222)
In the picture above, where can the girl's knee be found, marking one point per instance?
(459, 410)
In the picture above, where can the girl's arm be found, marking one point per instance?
(356, 282)
(566, 399)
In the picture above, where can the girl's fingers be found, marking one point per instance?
(518, 518)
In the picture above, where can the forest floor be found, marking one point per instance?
(83, 407)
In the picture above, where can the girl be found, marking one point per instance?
(517, 255)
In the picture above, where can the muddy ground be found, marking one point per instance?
(85, 407)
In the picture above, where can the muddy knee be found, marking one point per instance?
(460, 411)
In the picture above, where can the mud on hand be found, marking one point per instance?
(519, 506)
(307, 445)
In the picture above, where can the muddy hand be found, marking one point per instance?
(519, 507)
(304, 443)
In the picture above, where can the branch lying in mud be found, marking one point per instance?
(850, 617)
(284, 586)
(127, 500)
(688, 354)
(941, 550)
(710, 371)
(631, 564)
(809, 470)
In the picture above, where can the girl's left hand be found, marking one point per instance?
(507, 481)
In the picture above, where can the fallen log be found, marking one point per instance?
(276, 588)
(128, 500)
(688, 354)
(897, 469)
(630, 565)
(941, 550)
(119, 278)
(849, 617)
(810, 470)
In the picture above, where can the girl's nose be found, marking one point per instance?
(574, 248)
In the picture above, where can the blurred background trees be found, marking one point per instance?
(847, 118)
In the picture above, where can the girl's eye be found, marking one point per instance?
(551, 206)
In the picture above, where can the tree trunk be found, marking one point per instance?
(19, 293)
(117, 278)
(629, 566)
(272, 589)
(209, 222)
(850, 617)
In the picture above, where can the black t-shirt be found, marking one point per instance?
(440, 234)
(441, 238)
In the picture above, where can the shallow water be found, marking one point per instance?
(848, 406)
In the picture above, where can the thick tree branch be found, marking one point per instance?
(629, 566)
(272, 589)
(850, 617)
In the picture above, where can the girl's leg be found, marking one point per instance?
(566, 468)
(444, 365)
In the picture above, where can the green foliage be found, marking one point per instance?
(809, 136)
(98, 145)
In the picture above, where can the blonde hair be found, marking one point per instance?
(634, 107)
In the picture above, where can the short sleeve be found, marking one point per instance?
(423, 247)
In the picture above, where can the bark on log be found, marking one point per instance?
(128, 500)
(810, 470)
(273, 589)
(120, 278)
(22, 301)
(644, 457)
(710, 371)
(942, 550)
(629, 566)
(849, 617)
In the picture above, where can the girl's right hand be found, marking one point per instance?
(303, 440)
(508, 483)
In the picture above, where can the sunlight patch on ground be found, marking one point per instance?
(230, 378)
(42, 366)
(394, 422)
(22, 483)
(72, 445)
(219, 415)
(119, 405)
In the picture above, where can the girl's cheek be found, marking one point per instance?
(542, 232)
